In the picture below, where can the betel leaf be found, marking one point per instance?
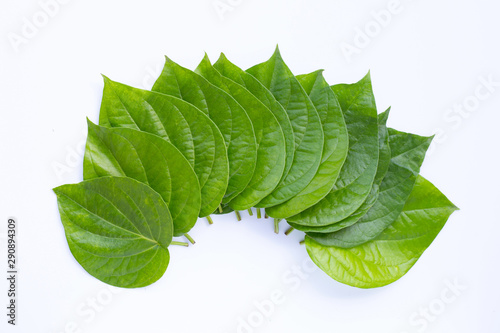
(271, 152)
(334, 149)
(233, 72)
(389, 256)
(118, 229)
(226, 113)
(125, 152)
(357, 175)
(407, 154)
(180, 123)
(383, 165)
(306, 124)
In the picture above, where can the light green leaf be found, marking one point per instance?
(233, 72)
(334, 149)
(407, 154)
(270, 141)
(118, 229)
(389, 256)
(306, 124)
(178, 122)
(357, 175)
(226, 113)
(125, 152)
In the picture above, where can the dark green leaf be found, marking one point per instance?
(357, 175)
(226, 113)
(306, 124)
(407, 155)
(236, 74)
(383, 165)
(334, 149)
(271, 151)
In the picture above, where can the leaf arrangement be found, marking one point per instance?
(221, 139)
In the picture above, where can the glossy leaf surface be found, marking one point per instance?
(335, 147)
(124, 152)
(383, 165)
(389, 256)
(178, 122)
(358, 172)
(118, 229)
(308, 133)
(407, 154)
(236, 74)
(271, 152)
(226, 113)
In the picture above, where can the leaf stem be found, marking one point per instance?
(258, 213)
(265, 215)
(302, 242)
(277, 226)
(209, 219)
(250, 212)
(238, 216)
(220, 208)
(190, 239)
(179, 243)
(289, 231)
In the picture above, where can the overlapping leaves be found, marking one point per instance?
(219, 139)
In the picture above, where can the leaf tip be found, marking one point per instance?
(430, 138)
(368, 75)
(105, 78)
(168, 60)
(58, 190)
(385, 115)
(206, 60)
(90, 124)
(277, 52)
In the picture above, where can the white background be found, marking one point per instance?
(430, 57)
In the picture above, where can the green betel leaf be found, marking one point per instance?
(233, 72)
(358, 172)
(118, 229)
(306, 124)
(407, 154)
(125, 152)
(334, 149)
(180, 123)
(270, 141)
(389, 256)
(383, 165)
(226, 113)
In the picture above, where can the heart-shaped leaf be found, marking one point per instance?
(389, 256)
(118, 229)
